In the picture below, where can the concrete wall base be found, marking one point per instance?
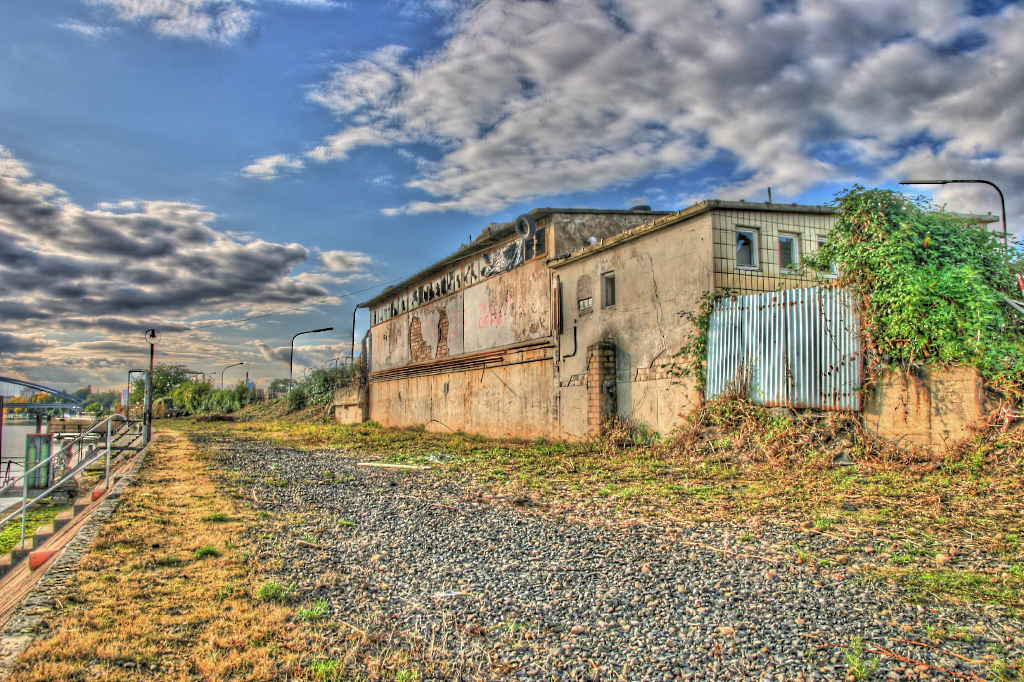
(930, 408)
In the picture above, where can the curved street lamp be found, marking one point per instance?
(1002, 200)
(291, 355)
(226, 369)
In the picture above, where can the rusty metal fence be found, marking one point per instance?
(799, 347)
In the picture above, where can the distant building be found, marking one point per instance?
(29, 393)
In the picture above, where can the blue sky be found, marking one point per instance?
(184, 163)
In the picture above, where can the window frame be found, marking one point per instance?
(605, 279)
(796, 251)
(755, 250)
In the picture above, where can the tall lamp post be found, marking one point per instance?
(1002, 200)
(226, 369)
(291, 355)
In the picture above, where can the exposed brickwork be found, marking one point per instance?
(600, 386)
(418, 348)
(662, 369)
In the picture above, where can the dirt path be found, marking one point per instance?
(164, 591)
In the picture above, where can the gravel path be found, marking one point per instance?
(485, 587)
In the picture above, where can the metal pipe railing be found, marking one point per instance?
(92, 428)
(26, 503)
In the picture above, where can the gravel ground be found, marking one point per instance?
(483, 587)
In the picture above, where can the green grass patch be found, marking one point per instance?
(968, 586)
(314, 612)
(207, 551)
(37, 517)
(271, 591)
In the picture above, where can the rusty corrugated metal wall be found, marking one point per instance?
(799, 347)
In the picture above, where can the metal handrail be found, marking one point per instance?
(26, 503)
(70, 445)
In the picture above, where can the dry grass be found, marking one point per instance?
(151, 597)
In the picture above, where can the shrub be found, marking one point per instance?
(929, 285)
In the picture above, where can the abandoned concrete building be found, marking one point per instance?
(548, 325)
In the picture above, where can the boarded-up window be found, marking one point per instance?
(584, 295)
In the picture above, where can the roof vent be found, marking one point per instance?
(641, 207)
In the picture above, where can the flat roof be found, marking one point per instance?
(710, 205)
(489, 237)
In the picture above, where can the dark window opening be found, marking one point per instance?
(746, 249)
(787, 251)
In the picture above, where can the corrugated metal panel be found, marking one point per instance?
(799, 347)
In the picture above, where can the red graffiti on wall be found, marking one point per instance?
(489, 319)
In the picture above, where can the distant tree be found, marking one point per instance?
(279, 386)
(165, 379)
(82, 393)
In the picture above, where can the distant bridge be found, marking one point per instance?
(70, 401)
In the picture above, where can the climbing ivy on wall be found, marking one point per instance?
(690, 358)
(930, 285)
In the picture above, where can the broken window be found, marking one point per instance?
(608, 290)
(584, 295)
(746, 249)
(541, 245)
(788, 251)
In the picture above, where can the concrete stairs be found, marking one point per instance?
(39, 552)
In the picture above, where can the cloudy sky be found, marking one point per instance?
(234, 171)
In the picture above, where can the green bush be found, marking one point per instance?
(929, 284)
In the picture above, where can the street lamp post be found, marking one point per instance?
(1002, 200)
(291, 354)
(226, 369)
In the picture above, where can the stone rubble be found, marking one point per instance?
(515, 592)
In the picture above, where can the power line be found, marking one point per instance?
(285, 310)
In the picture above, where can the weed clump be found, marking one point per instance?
(207, 550)
(314, 612)
(271, 591)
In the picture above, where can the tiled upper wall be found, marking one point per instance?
(808, 228)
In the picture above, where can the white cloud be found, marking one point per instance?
(270, 167)
(345, 261)
(530, 99)
(86, 30)
(130, 264)
(222, 21)
(215, 21)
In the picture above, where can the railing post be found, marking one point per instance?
(24, 503)
(107, 475)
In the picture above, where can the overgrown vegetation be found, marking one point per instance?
(41, 515)
(929, 285)
(199, 397)
(691, 356)
(317, 389)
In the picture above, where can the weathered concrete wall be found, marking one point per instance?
(511, 399)
(351, 404)
(932, 409)
(657, 275)
(390, 343)
(512, 307)
(572, 229)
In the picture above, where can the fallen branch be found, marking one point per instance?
(387, 465)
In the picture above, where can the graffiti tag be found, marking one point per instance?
(489, 319)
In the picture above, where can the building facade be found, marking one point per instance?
(551, 324)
